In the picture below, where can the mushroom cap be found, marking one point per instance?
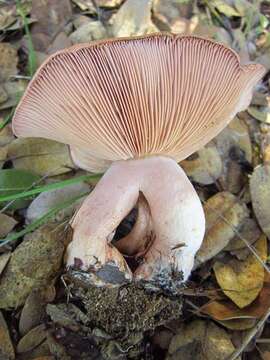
(128, 98)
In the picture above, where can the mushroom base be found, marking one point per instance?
(167, 234)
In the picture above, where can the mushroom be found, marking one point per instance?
(135, 107)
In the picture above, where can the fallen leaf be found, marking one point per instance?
(239, 324)
(61, 41)
(263, 116)
(235, 149)
(51, 16)
(92, 30)
(260, 196)
(4, 259)
(33, 312)
(33, 265)
(13, 181)
(218, 232)
(7, 223)
(6, 135)
(108, 3)
(8, 61)
(43, 157)
(14, 90)
(230, 314)
(206, 168)
(48, 200)
(86, 6)
(133, 18)
(6, 347)
(200, 340)
(242, 281)
(225, 8)
(249, 230)
(3, 156)
(32, 339)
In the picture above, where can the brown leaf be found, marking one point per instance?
(41, 156)
(218, 231)
(200, 340)
(260, 196)
(32, 339)
(6, 347)
(206, 168)
(51, 16)
(133, 18)
(7, 223)
(235, 318)
(8, 61)
(34, 264)
(242, 281)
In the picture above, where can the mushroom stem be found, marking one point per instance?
(177, 220)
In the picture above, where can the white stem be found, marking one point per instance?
(177, 218)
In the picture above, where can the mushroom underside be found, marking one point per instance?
(165, 238)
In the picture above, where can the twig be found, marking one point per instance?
(250, 335)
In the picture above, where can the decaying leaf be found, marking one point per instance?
(32, 339)
(108, 3)
(4, 258)
(8, 61)
(227, 310)
(206, 168)
(6, 347)
(92, 30)
(234, 146)
(200, 340)
(6, 135)
(249, 230)
(33, 310)
(51, 16)
(33, 265)
(7, 223)
(133, 18)
(41, 156)
(85, 5)
(263, 116)
(242, 281)
(260, 196)
(224, 213)
(48, 200)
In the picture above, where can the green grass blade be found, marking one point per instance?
(49, 187)
(42, 220)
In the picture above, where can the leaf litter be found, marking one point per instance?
(47, 314)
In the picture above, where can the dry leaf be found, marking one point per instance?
(32, 313)
(32, 339)
(219, 232)
(33, 265)
(250, 231)
(92, 30)
(86, 6)
(235, 149)
(263, 116)
(206, 168)
(41, 156)
(7, 223)
(14, 90)
(242, 281)
(6, 347)
(133, 18)
(6, 135)
(108, 3)
(4, 258)
(51, 16)
(200, 340)
(8, 61)
(239, 319)
(260, 196)
(47, 200)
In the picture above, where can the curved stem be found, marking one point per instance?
(177, 220)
